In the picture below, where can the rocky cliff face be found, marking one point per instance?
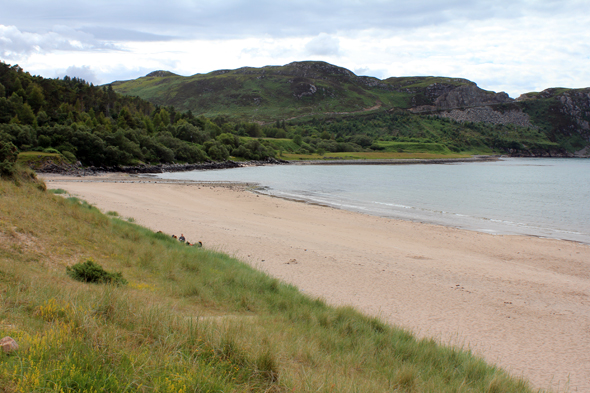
(470, 96)
(576, 105)
(445, 97)
(569, 109)
(563, 114)
(486, 114)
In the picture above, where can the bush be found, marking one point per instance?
(69, 156)
(51, 150)
(91, 271)
(8, 156)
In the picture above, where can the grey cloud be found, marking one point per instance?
(116, 34)
(97, 76)
(366, 71)
(84, 72)
(14, 43)
(323, 45)
(156, 20)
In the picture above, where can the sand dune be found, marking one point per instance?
(521, 302)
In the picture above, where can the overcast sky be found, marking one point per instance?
(502, 45)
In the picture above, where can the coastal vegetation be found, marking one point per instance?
(188, 319)
(96, 126)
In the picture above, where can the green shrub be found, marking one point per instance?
(51, 150)
(69, 156)
(91, 271)
(8, 156)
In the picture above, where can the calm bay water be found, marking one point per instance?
(532, 196)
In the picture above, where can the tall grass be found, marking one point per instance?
(190, 319)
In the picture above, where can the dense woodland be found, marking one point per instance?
(96, 126)
(100, 127)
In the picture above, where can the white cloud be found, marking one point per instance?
(366, 71)
(323, 45)
(15, 44)
(83, 72)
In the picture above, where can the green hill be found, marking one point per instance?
(280, 92)
(306, 92)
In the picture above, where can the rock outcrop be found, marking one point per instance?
(445, 97)
(487, 114)
(567, 110)
(470, 96)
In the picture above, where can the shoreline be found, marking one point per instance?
(78, 170)
(256, 188)
(396, 161)
(520, 302)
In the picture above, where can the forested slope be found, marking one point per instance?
(100, 127)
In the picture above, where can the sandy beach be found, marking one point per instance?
(521, 302)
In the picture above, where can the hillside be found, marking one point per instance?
(308, 91)
(318, 111)
(296, 89)
(187, 319)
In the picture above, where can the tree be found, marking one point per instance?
(124, 120)
(253, 130)
(35, 97)
(17, 85)
(8, 156)
(158, 121)
(229, 140)
(165, 116)
(26, 115)
(42, 118)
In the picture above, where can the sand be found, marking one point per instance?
(521, 302)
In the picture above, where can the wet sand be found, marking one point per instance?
(521, 302)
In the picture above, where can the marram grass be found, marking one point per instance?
(189, 320)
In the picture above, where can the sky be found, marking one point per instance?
(502, 45)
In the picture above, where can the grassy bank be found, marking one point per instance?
(189, 319)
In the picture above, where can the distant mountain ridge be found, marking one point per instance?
(299, 88)
(317, 89)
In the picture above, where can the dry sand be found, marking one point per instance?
(521, 302)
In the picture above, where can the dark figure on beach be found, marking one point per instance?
(174, 237)
(181, 238)
(199, 244)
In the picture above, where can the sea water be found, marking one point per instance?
(547, 197)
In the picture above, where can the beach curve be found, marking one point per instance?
(520, 302)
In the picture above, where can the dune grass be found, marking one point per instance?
(189, 319)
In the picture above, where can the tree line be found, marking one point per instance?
(97, 126)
